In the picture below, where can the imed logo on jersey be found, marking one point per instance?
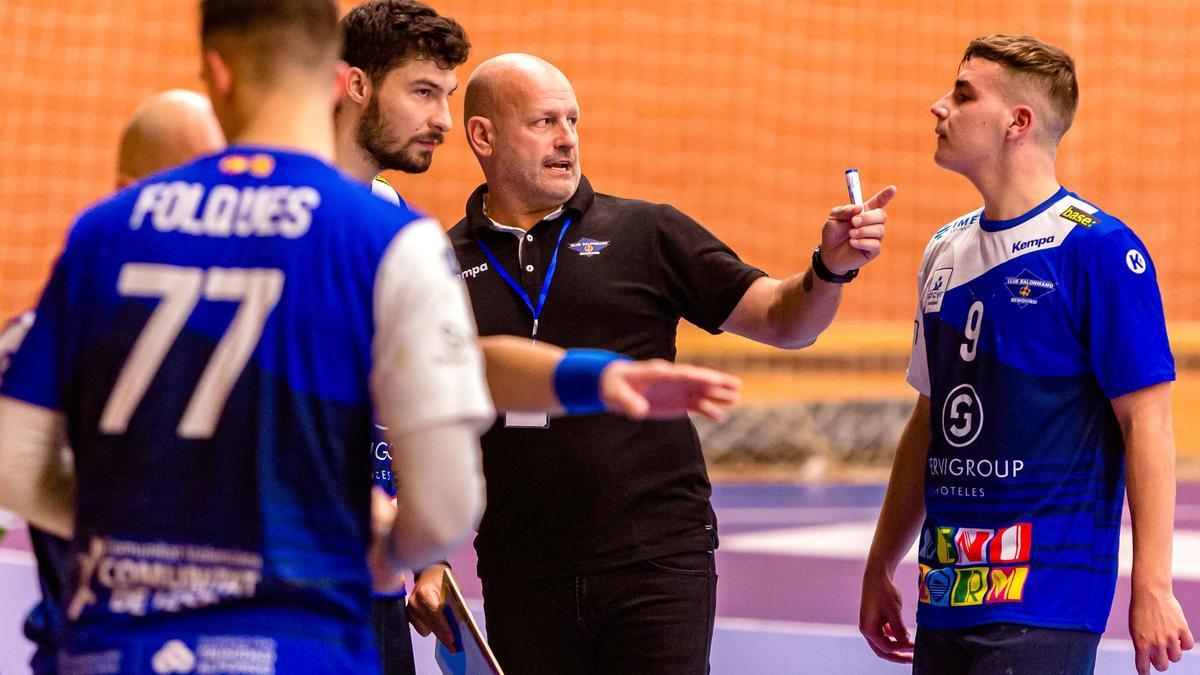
(960, 224)
(1079, 217)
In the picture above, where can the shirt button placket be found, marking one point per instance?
(530, 255)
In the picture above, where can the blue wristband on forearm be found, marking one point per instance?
(577, 379)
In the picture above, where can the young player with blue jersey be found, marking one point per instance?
(1041, 358)
(213, 345)
(393, 115)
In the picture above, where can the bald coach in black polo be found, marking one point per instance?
(595, 550)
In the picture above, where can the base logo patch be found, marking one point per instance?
(1079, 217)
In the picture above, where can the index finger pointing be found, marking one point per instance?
(881, 198)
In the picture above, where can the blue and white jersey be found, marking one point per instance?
(1025, 329)
(381, 455)
(221, 337)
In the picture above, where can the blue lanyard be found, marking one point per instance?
(535, 311)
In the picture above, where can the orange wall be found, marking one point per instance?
(742, 113)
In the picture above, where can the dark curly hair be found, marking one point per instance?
(382, 34)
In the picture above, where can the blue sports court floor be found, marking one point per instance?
(790, 564)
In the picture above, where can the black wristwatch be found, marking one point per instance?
(825, 274)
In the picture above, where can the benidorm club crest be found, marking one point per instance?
(586, 247)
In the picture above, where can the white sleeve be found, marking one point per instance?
(12, 337)
(387, 193)
(427, 367)
(918, 359)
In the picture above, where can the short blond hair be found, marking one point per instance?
(1048, 68)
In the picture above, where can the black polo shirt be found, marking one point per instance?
(597, 491)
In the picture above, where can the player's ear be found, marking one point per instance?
(341, 81)
(481, 135)
(1022, 122)
(358, 85)
(218, 75)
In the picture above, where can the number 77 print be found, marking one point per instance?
(257, 290)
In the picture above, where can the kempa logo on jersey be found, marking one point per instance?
(1027, 287)
(473, 272)
(1079, 217)
(1032, 243)
(455, 342)
(1135, 261)
(588, 247)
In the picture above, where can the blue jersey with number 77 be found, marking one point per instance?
(210, 334)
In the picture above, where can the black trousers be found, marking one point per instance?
(1001, 648)
(389, 621)
(655, 616)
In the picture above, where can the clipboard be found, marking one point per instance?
(472, 654)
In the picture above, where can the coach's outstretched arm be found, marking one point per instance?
(791, 313)
(526, 376)
(36, 480)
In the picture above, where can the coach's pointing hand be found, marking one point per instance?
(853, 235)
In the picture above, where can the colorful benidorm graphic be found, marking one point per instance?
(966, 566)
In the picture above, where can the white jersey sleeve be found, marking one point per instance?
(918, 360)
(427, 367)
(12, 337)
(382, 189)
